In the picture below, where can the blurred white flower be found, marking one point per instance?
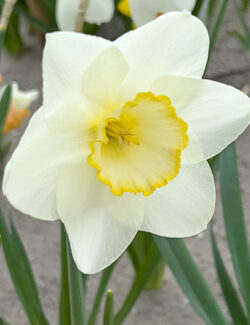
(143, 11)
(19, 106)
(98, 12)
(122, 139)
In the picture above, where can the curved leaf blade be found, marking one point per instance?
(229, 292)
(234, 220)
(190, 279)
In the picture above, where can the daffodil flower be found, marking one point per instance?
(122, 140)
(19, 106)
(143, 11)
(98, 12)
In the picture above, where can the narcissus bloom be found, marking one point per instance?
(98, 12)
(19, 106)
(143, 11)
(122, 139)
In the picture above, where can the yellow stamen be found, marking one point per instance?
(115, 131)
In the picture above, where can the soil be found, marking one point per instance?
(229, 64)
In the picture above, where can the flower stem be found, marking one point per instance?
(80, 17)
(6, 13)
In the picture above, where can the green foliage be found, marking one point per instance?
(244, 39)
(234, 221)
(141, 279)
(4, 106)
(21, 273)
(106, 274)
(13, 41)
(64, 310)
(108, 318)
(230, 295)
(3, 322)
(76, 287)
(190, 280)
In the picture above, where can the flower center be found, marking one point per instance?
(140, 151)
(116, 131)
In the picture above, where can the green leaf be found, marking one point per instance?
(245, 42)
(242, 21)
(13, 41)
(4, 106)
(229, 292)
(64, 311)
(43, 27)
(197, 7)
(21, 273)
(190, 280)
(48, 7)
(106, 274)
(3, 322)
(234, 220)
(108, 318)
(2, 38)
(245, 4)
(142, 276)
(219, 15)
(76, 290)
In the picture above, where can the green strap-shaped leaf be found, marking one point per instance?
(3, 322)
(76, 291)
(64, 310)
(4, 106)
(229, 292)
(234, 220)
(13, 40)
(215, 28)
(142, 276)
(43, 27)
(242, 20)
(21, 273)
(190, 280)
(108, 318)
(106, 274)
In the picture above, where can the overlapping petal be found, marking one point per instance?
(65, 60)
(31, 175)
(185, 206)
(104, 76)
(100, 225)
(215, 113)
(173, 44)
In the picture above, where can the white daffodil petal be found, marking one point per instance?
(144, 11)
(173, 44)
(216, 114)
(66, 58)
(66, 12)
(31, 175)
(104, 76)
(100, 225)
(100, 11)
(185, 206)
